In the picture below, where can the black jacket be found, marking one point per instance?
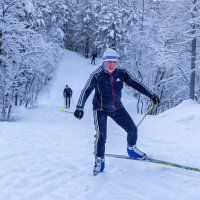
(67, 92)
(108, 89)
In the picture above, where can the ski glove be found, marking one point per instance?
(79, 112)
(155, 99)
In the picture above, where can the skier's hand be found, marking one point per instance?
(78, 113)
(155, 99)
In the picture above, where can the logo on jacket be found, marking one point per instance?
(118, 80)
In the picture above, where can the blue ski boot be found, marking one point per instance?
(134, 152)
(99, 165)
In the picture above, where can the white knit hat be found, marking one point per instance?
(110, 55)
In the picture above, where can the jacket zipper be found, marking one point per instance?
(113, 92)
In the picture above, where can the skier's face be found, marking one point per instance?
(111, 66)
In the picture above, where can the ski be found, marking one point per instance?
(155, 161)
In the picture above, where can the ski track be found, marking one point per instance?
(46, 154)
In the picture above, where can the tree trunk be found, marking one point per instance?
(193, 56)
(26, 104)
(86, 47)
(16, 100)
(193, 65)
(8, 113)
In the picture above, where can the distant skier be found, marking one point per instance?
(107, 81)
(67, 94)
(94, 55)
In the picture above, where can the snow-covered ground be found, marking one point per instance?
(46, 154)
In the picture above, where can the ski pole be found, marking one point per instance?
(73, 102)
(69, 111)
(63, 110)
(147, 112)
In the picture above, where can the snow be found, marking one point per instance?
(46, 154)
(112, 33)
(29, 6)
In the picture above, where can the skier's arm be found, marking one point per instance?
(71, 92)
(64, 93)
(90, 84)
(134, 83)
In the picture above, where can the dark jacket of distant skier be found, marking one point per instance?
(67, 92)
(105, 84)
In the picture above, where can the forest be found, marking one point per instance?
(157, 40)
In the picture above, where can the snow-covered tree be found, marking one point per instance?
(26, 58)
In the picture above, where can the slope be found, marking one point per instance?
(47, 154)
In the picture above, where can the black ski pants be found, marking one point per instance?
(93, 60)
(67, 101)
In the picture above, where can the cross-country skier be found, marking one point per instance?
(67, 94)
(107, 81)
(94, 55)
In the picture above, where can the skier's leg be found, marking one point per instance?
(100, 121)
(69, 101)
(123, 119)
(66, 101)
(93, 60)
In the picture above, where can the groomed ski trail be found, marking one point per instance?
(47, 154)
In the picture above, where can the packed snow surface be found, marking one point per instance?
(46, 154)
